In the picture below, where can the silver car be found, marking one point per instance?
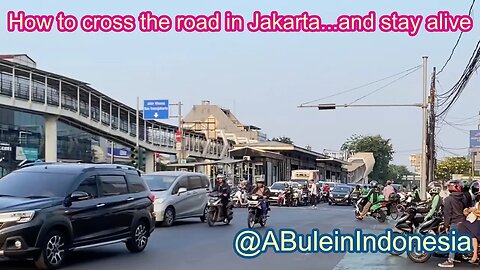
(178, 195)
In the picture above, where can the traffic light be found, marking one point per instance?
(142, 155)
(135, 157)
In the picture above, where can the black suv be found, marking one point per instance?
(49, 210)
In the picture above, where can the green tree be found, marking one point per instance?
(396, 172)
(452, 165)
(283, 140)
(382, 151)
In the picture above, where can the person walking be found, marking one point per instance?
(313, 193)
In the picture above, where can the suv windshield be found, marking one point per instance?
(278, 186)
(36, 184)
(159, 182)
(341, 189)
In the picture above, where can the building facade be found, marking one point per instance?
(210, 118)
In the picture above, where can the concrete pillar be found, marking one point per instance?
(149, 162)
(51, 138)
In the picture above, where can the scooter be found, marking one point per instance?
(255, 213)
(240, 198)
(215, 210)
(409, 222)
(377, 210)
(433, 226)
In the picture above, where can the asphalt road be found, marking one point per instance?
(192, 244)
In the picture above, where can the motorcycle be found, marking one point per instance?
(435, 226)
(255, 213)
(324, 196)
(409, 222)
(354, 197)
(215, 210)
(377, 210)
(285, 198)
(305, 199)
(240, 198)
(295, 198)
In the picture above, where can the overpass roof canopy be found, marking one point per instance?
(279, 147)
(6, 66)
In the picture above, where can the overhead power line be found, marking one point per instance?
(363, 86)
(385, 86)
(455, 92)
(458, 41)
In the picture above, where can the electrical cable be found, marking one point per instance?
(384, 86)
(362, 86)
(458, 41)
(458, 88)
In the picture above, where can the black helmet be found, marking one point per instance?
(465, 185)
(475, 188)
(414, 187)
(357, 186)
(373, 184)
(434, 188)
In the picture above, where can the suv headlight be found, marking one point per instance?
(19, 217)
(346, 196)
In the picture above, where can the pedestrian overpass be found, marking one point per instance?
(56, 97)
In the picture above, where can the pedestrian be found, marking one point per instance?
(313, 193)
(453, 215)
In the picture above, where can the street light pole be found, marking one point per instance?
(423, 176)
(180, 154)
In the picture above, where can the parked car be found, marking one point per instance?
(48, 211)
(179, 195)
(340, 194)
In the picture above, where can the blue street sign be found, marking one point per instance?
(474, 138)
(119, 152)
(155, 109)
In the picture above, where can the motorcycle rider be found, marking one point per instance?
(466, 192)
(225, 190)
(357, 191)
(472, 227)
(415, 194)
(264, 193)
(326, 191)
(372, 196)
(388, 190)
(454, 205)
(434, 189)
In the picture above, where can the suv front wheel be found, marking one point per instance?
(53, 251)
(139, 239)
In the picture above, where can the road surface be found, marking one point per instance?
(191, 243)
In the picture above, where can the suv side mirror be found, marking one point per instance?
(181, 190)
(79, 196)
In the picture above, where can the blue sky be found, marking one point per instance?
(264, 77)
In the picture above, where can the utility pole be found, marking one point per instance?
(137, 133)
(423, 176)
(431, 146)
(180, 154)
(112, 152)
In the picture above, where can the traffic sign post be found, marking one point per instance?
(155, 109)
